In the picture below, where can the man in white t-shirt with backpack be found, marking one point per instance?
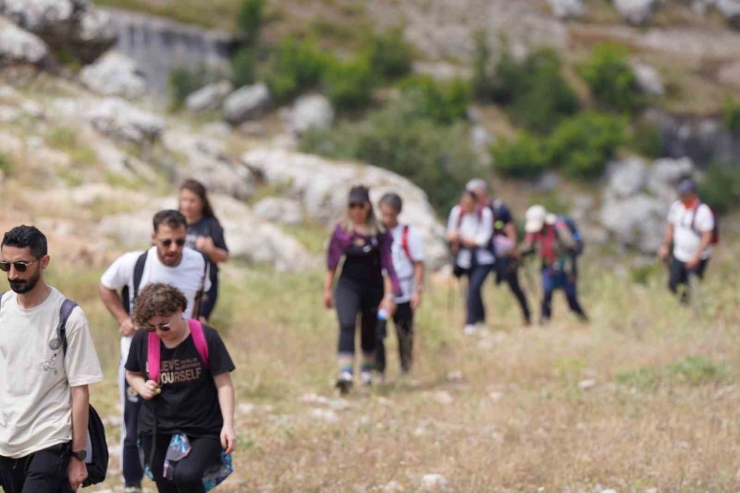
(169, 262)
(692, 230)
(408, 261)
(47, 362)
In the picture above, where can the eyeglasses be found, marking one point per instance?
(151, 328)
(19, 266)
(168, 242)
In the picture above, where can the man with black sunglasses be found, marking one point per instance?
(168, 262)
(44, 395)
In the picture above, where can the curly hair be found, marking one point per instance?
(158, 300)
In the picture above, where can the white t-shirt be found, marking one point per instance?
(403, 265)
(36, 375)
(686, 241)
(478, 225)
(190, 276)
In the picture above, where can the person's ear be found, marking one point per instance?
(154, 236)
(45, 261)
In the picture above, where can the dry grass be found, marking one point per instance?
(644, 397)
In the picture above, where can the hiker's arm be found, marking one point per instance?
(328, 283)
(419, 283)
(146, 389)
(77, 470)
(706, 240)
(112, 302)
(667, 240)
(483, 234)
(527, 248)
(511, 232)
(226, 400)
(206, 245)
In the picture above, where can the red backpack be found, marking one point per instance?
(154, 350)
(715, 231)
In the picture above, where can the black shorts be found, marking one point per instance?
(44, 471)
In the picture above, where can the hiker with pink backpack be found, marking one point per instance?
(181, 368)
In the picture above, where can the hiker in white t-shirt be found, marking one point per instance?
(408, 261)
(168, 262)
(44, 396)
(691, 231)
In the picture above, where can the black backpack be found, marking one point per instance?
(97, 445)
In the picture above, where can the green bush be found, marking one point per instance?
(350, 85)
(184, 82)
(298, 66)
(648, 140)
(435, 157)
(249, 19)
(525, 157)
(7, 165)
(720, 188)
(611, 79)
(390, 55)
(731, 111)
(442, 103)
(244, 67)
(482, 83)
(582, 145)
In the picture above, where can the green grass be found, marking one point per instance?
(68, 141)
(7, 165)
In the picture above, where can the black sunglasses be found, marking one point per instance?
(179, 242)
(19, 266)
(165, 326)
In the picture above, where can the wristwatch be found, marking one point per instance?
(80, 456)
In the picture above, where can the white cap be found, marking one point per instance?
(536, 218)
(477, 184)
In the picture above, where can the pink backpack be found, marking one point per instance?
(153, 351)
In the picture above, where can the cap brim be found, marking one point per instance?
(533, 226)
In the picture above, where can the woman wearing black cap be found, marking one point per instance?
(367, 284)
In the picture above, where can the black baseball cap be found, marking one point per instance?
(359, 195)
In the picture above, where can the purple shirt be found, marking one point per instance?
(342, 240)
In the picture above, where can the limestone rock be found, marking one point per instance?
(567, 9)
(648, 79)
(210, 97)
(627, 177)
(118, 119)
(19, 46)
(247, 103)
(279, 210)
(636, 12)
(314, 111)
(433, 482)
(114, 74)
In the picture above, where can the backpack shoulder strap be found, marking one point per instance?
(65, 311)
(405, 242)
(139, 271)
(153, 357)
(199, 338)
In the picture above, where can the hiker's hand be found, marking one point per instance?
(416, 300)
(204, 244)
(149, 390)
(453, 237)
(663, 252)
(693, 262)
(228, 439)
(469, 242)
(389, 305)
(328, 302)
(77, 473)
(127, 328)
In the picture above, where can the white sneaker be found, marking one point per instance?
(344, 382)
(366, 378)
(471, 330)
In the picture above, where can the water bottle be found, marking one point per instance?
(382, 324)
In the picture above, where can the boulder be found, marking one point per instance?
(207, 161)
(636, 12)
(314, 111)
(119, 120)
(648, 79)
(247, 103)
(637, 221)
(210, 97)
(114, 74)
(19, 46)
(481, 140)
(279, 210)
(322, 185)
(567, 9)
(628, 177)
(75, 25)
(730, 74)
(730, 9)
(433, 482)
(665, 176)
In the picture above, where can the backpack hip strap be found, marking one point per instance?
(199, 338)
(153, 356)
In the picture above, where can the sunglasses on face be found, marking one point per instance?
(151, 328)
(168, 242)
(19, 266)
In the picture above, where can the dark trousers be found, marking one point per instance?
(130, 461)
(476, 277)
(209, 300)
(352, 299)
(403, 320)
(679, 276)
(508, 270)
(44, 471)
(553, 280)
(188, 478)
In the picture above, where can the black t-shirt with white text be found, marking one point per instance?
(189, 400)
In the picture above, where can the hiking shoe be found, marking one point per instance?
(132, 488)
(366, 378)
(471, 330)
(344, 382)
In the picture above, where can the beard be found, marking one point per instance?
(23, 286)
